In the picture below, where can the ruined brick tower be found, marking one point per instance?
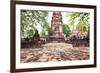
(57, 25)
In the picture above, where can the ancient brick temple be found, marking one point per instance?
(56, 24)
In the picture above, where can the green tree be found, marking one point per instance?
(45, 29)
(30, 19)
(79, 20)
(66, 30)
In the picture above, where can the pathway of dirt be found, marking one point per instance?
(54, 52)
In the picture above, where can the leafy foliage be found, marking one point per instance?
(30, 19)
(79, 20)
(66, 30)
(45, 29)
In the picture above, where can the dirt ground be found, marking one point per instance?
(54, 52)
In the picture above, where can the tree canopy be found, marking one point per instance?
(30, 19)
(79, 20)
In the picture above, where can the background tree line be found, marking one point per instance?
(32, 18)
